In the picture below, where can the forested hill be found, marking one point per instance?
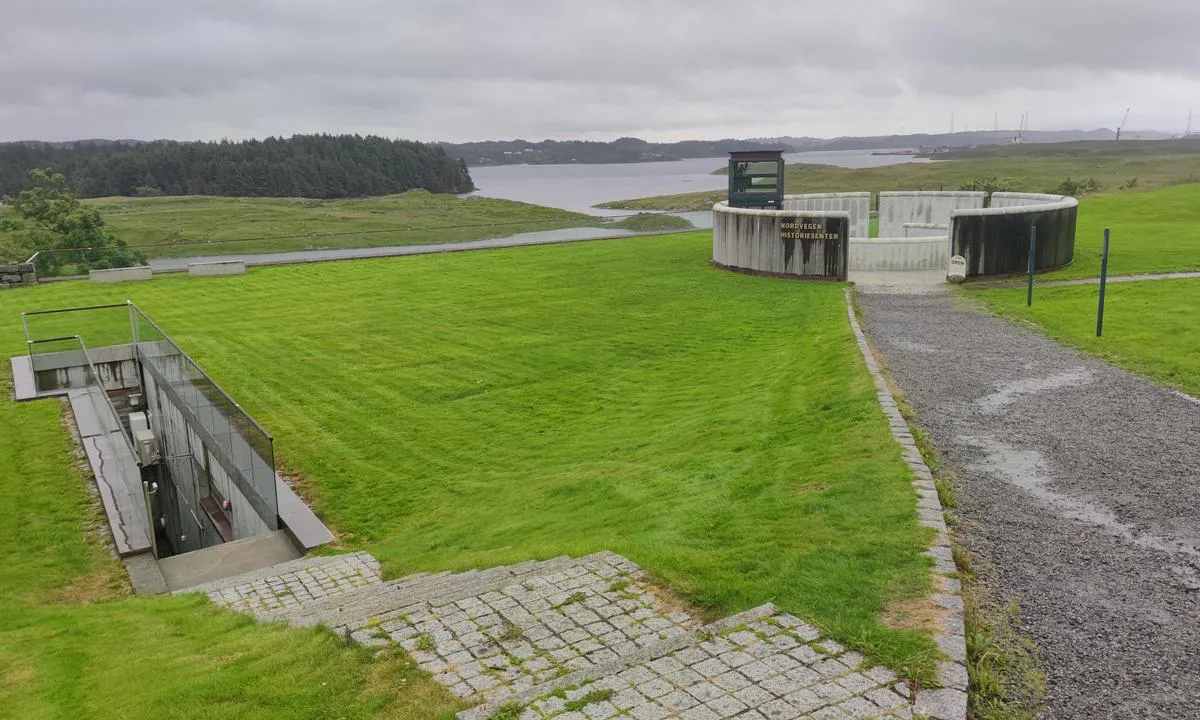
(313, 166)
(622, 150)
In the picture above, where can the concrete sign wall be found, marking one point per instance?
(808, 245)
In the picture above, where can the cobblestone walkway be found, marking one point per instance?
(286, 587)
(579, 639)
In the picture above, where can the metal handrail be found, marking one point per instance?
(199, 369)
(25, 323)
(95, 377)
(108, 401)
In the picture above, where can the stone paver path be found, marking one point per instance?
(581, 639)
(294, 584)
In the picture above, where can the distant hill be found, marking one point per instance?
(633, 150)
(312, 166)
(621, 150)
(1082, 148)
(973, 138)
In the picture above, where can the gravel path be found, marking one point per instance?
(1083, 483)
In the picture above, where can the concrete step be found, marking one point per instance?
(568, 635)
(592, 630)
(351, 610)
(294, 583)
(223, 565)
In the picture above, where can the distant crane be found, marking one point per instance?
(1022, 126)
(1122, 125)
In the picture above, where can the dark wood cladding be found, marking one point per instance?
(998, 244)
(782, 244)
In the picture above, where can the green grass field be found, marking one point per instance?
(463, 410)
(172, 225)
(1149, 327)
(1032, 174)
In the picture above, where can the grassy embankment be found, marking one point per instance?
(470, 410)
(192, 226)
(1032, 168)
(171, 226)
(1152, 232)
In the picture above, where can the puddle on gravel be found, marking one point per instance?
(1026, 469)
(915, 346)
(1007, 393)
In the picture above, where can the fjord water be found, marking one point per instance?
(581, 187)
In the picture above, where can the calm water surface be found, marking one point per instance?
(580, 187)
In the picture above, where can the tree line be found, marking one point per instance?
(311, 166)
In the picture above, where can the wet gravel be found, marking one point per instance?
(1081, 482)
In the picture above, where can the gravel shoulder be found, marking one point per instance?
(1082, 482)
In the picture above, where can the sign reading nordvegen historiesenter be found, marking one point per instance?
(802, 244)
(823, 229)
(829, 236)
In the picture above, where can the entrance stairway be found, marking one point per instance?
(575, 639)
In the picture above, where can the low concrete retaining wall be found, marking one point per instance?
(212, 269)
(798, 244)
(916, 253)
(858, 204)
(918, 208)
(995, 240)
(116, 275)
(63, 370)
(17, 274)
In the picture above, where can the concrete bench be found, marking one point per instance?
(212, 269)
(116, 275)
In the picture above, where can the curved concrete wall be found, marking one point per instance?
(757, 241)
(1020, 199)
(903, 253)
(858, 204)
(897, 209)
(995, 240)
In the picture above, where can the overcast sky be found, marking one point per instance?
(658, 69)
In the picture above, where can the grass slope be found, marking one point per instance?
(1033, 174)
(1149, 327)
(470, 410)
(1151, 232)
(174, 226)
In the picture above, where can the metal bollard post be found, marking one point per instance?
(1032, 252)
(1103, 285)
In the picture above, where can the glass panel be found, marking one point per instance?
(761, 168)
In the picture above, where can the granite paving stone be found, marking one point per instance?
(530, 638)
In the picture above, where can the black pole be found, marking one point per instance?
(1103, 284)
(1032, 251)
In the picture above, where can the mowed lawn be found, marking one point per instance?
(1151, 327)
(475, 409)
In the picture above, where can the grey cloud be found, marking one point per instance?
(460, 69)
